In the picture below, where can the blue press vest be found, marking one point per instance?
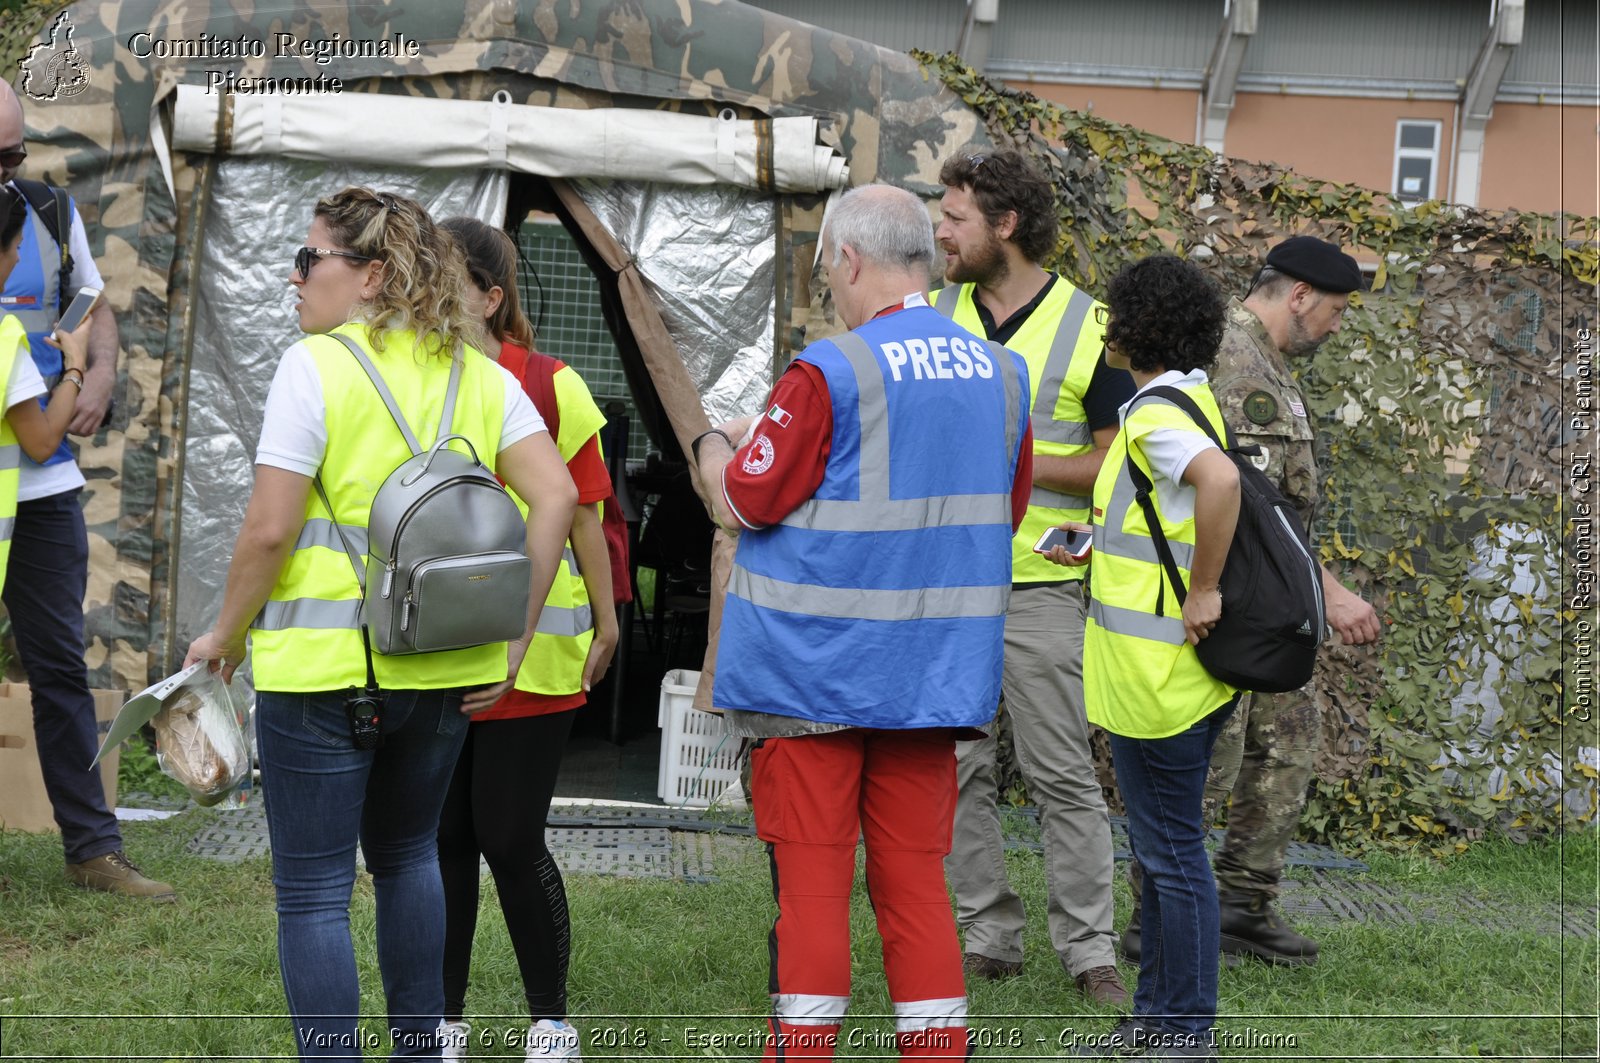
(31, 294)
(881, 600)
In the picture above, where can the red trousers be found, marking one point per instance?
(814, 796)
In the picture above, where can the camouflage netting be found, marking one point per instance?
(1447, 442)
(1451, 455)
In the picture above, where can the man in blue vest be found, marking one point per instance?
(874, 502)
(49, 568)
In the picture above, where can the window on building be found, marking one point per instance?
(1416, 160)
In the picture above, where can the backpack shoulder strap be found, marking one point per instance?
(542, 370)
(1142, 490)
(1180, 398)
(54, 207)
(388, 398)
(536, 372)
(47, 201)
(514, 360)
(349, 550)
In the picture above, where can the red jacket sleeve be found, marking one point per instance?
(589, 472)
(1022, 486)
(787, 455)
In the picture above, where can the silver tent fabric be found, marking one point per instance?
(257, 216)
(709, 256)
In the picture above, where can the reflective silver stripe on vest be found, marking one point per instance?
(6, 524)
(568, 622)
(1043, 496)
(1056, 365)
(855, 603)
(1012, 385)
(572, 563)
(1120, 621)
(310, 613)
(1114, 541)
(947, 300)
(319, 531)
(901, 514)
(10, 455)
(874, 510)
(44, 317)
(872, 403)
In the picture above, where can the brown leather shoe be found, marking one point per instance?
(1103, 985)
(113, 873)
(988, 967)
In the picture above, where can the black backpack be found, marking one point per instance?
(1272, 611)
(54, 208)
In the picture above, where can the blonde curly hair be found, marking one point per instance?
(424, 272)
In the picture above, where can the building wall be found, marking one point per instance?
(1322, 84)
(1541, 158)
(1166, 112)
(1340, 139)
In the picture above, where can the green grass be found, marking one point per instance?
(653, 960)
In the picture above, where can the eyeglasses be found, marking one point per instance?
(11, 158)
(977, 161)
(1101, 314)
(307, 256)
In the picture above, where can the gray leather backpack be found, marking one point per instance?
(446, 566)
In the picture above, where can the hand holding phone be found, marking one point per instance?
(82, 303)
(1075, 542)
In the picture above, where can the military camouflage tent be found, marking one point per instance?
(196, 138)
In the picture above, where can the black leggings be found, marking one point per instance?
(496, 806)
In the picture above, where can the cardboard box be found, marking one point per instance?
(23, 803)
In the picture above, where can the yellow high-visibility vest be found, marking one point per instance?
(1141, 678)
(554, 664)
(1061, 342)
(308, 637)
(13, 345)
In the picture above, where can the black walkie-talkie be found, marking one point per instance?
(365, 707)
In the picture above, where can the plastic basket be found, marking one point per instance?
(699, 759)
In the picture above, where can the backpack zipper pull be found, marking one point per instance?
(405, 613)
(388, 579)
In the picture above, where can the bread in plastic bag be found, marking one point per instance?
(201, 740)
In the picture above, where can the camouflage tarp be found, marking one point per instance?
(97, 73)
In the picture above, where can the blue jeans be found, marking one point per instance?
(44, 587)
(322, 795)
(1162, 782)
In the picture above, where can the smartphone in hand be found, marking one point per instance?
(1077, 543)
(78, 309)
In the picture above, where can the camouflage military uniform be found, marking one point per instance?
(1271, 743)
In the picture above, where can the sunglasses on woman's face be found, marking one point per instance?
(11, 158)
(306, 257)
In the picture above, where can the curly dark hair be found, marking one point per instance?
(1004, 181)
(1164, 314)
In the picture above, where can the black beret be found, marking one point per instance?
(1317, 262)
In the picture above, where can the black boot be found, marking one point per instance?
(1130, 937)
(1250, 927)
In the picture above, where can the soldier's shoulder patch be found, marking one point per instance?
(1260, 407)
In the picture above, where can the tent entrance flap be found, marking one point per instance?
(766, 154)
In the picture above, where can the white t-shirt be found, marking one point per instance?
(42, 481)
(294, 433)
(1170, 450)
(25, 382)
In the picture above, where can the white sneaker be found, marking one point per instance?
(453, 1039)
(549, 1039)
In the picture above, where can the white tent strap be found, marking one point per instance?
(777, 155)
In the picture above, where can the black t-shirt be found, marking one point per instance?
(1108, 389)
